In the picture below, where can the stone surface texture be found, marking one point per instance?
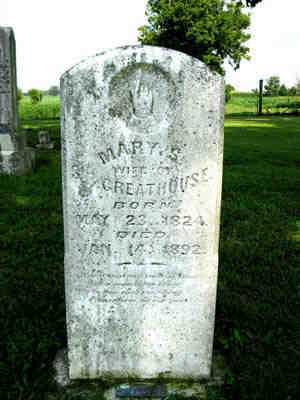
(89, 388)
(15, 157)
(142, 148)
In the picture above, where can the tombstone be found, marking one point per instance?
(45, 141)
(142, 141)
(15, 157)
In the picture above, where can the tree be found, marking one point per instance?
(272, 87)
(283, 90)
(210, 30)
(228, 92)
(35, 95)
(292, 91)
(53, 91)
(297, 86)
(19, 95)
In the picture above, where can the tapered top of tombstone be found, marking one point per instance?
(125, 76)
(8, 82)
(142, 145)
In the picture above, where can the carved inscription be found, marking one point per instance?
(138, 148)
(173, 220)
(170, 186)
(122, 287)
(145, 222)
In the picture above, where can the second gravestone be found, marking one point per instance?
(15, 157)
(142, 167)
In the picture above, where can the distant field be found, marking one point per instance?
(48, 108)
(246, 103)
(240, 103)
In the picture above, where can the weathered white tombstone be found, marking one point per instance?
(15, 157)
(45, 141)
(142, 141)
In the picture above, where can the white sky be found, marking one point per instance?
(53, 35)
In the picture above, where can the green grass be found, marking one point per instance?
(48, 108)
(240, 103)
(246, 104)
(257, 317)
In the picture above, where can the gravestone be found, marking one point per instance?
(15, 157)
(142, 148)
(45, 141)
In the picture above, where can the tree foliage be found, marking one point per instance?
(272, 86)
(283, 90)
(19, 95)
(297, 85)
(53, 91)
(292, 91)
(210, 30)
(228, 92)
(35, 95)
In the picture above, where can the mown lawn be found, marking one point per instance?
(257, 318)
(48, 108)
(244, 103)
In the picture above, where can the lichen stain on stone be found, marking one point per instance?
(115, 112)
(131, 68)
(84, 189)
(89, 83)
(134, 94)
(109, 69)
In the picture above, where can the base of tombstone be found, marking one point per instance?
(17, 162)
(134, 390)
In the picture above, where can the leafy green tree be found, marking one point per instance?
(228, 92)
(53, 91)
(272, 87)
(297, 86)
(35, 95)
(283, 90)
(210, 30)
(292, 91)
(19, 95)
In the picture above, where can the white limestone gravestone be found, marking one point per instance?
(142, 141)
(15, 157)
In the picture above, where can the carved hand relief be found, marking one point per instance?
(142, 101)
(143, 96)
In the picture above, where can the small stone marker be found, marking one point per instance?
(15, 157)
(150, 391)
(45, 141)
(142, 137)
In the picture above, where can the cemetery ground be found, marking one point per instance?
(257, 317)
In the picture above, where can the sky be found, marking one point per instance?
(52, 36)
